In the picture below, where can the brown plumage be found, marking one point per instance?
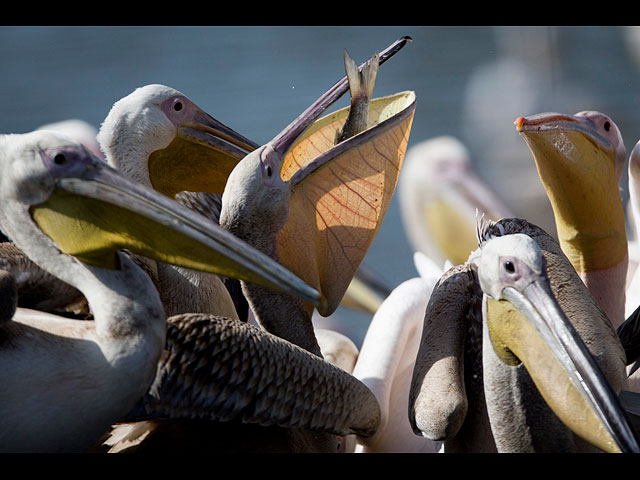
(223, 378)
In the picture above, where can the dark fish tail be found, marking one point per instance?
(361, 84)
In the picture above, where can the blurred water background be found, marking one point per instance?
(470, 82)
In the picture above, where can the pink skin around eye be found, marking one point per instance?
(177, 109)
(270, 162)
(67, 160)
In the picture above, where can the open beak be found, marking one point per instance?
(200, 158)
(94, 211)
(340, 193)
(538, 333)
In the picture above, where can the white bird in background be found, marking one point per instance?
(440, 196)
(387, 357)
(78, 130)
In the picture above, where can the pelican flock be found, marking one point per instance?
(136, 254)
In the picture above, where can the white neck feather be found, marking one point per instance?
(130, 134)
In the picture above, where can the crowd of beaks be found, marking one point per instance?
(453, 221)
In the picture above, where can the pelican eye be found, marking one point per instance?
(509, 266)
(607, 126)
(177, 106)
(59, 158)
(269, 171)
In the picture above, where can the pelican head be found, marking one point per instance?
(160, 138)
(256, 194)
(580, 160)
(317, 213)
(90, 211)
(526, 324)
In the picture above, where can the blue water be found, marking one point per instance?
(471, 82)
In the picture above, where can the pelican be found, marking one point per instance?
(255, 205)
(386, 360)
(580, 159)
(503, 365)
(37, 288)
(315, 206)
(439, 194)
(158, 137)
(65, 381)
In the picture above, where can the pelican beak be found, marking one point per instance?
(95, 211)
(361, 297)
(339, 193)
(200, 158)
(533, 329)
(573, 161)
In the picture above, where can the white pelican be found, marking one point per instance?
(65, 381)
(386, 360)
(439, 195)
(580, 159)
(161, 139)
(518, 377)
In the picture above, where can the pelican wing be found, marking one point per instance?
(220, 369)
(342, 202)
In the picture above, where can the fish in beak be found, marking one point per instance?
(321, 204)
